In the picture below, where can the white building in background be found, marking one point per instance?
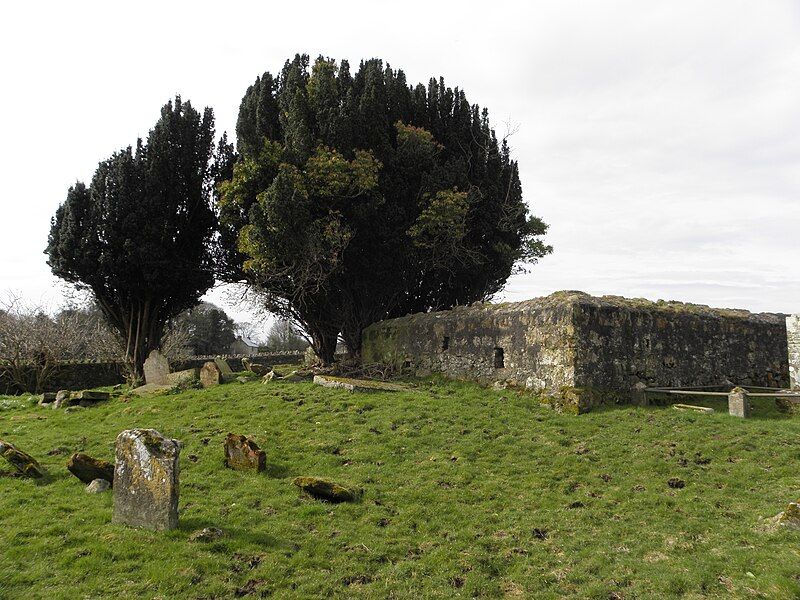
(244, 347)
(793, 333)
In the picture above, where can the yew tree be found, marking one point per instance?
(139, 236)
(358, 197)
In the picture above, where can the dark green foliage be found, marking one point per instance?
(358, 198)
(209, 329)
(139, 236)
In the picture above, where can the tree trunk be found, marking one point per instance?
(351, 334)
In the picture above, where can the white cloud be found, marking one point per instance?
(660, 140)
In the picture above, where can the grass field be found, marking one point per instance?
(468, 492)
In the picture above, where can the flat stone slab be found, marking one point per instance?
(146, 480)
(358, 385)
(692, 407)
(179, 377)
(150, 388)
(91, 396)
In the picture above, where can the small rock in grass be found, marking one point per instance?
(322, 489)
(207, 534)
(24, 463)
(676, 483)
(791, 516)
(98, 486)
(88, 469)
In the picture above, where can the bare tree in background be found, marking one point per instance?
(34, 345)
(285, 336)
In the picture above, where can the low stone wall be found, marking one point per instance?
(793, 335)
(235, 362)
(583, 350)
(79, 376)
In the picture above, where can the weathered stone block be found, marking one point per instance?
(243, 454)
(739, 403)
(224, 369)
(210, 374)
(791, 516)
(693, 408)
(63, 398)
(24, 463)
(146, 480)
(254, 367)
(156, 368)
(87, 469)
(92, 396)
(358, 385)
(98, 486)
(47, 398)
(185, 376)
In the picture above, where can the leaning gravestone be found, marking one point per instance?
(146, 480)
(210, 374)
(793, 337)
(224, 369)
(156, 368)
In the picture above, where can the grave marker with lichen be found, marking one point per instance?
(146, 480)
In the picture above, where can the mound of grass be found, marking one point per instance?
(466, 492)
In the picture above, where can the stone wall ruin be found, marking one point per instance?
(582, 350)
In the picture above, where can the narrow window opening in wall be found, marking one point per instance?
(445, 343)
(499, 360)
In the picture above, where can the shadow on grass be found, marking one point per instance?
(277, 471)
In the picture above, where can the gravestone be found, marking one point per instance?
(224, 369)
(156, 368)
(739, 403)
(793, 336)
(243, 454)
(210, 374)
(146, 480)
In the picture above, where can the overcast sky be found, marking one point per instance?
(660, 140)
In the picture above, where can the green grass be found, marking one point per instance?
(468, 492)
